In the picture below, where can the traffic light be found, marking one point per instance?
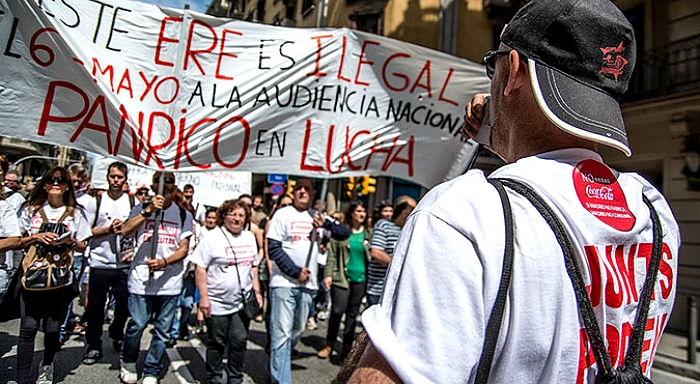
(369, 185)
(290, 187)
(350, 187)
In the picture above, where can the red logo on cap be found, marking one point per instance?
(613, 61)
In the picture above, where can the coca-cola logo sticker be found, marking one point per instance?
(601, 195)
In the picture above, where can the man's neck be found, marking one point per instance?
(115, 194)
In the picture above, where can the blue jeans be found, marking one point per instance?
(141, 308)
(185, 303)
(372, 299)
(290, 310)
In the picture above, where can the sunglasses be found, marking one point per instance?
(141, 193)
(167, 180)
(284, 205)
(55, 180)
(490, 61)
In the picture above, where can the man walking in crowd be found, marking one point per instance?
(258, 210)
(154, 283)
(108, 269)
(13, 190)
(200, 211)
(293, 279)
(556, 76)
(384, 237)
(79, 179)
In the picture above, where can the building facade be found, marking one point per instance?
(661, 108)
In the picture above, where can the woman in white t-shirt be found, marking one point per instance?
(50, 201)
(226, 269)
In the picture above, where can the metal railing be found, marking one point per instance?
(667, 70)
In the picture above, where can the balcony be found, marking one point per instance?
(665, 71)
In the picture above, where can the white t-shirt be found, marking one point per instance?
(167, 281)
(9, 226)
(104, 250)
(219, 257)
(200, 211)
(292, 228)
(15, 200)
(30, 221)
(8, 221)
(446, 269)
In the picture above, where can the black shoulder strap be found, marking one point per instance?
(183, 215)
(132, 201)
(632, 358)
(493, 327)
(98, 202)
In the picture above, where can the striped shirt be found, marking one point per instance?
(384, 237)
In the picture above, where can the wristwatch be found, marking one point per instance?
(145, 213)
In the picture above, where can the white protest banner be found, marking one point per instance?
(183, 91)
(211, 187)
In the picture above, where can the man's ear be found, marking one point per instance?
(517, 76)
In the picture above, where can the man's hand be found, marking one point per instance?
(157, 203)
(328, 281)
(304, 275)
(156, 264)
(474, 115)
(319, 220)
(116, 226)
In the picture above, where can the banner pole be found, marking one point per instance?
(156, 225)
(314, 233)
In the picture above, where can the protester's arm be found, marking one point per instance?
(338, 231)
(366, 365)
(200, 277)
(181, 253)
(10, 243)
(380, 256)
(283, 261)
(130, 227)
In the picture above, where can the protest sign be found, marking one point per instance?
(211, 187)
(178, 90)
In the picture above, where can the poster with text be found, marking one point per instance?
(178, 90)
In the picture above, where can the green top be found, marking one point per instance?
(338, 257)
(355, 268)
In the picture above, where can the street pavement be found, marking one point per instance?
(185, 362)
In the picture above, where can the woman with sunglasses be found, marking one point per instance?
(227, 269)
(49, 200)
(346, 275)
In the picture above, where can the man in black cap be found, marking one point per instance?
(293, 274)
(466, 302)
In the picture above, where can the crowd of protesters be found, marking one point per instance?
(299, 265)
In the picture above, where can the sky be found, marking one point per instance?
(195, 5)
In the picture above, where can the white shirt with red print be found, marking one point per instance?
(30, 221)
(219, 253)
(446, 269)
(172, 229)
(293, 229)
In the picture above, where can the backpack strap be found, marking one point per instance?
(68, 212)
(183, 215)
(98, 202)
(132, 201)
(493, 327)
(42, 214)
(632, 358)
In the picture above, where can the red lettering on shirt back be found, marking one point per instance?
(612, 270)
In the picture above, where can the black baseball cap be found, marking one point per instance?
(580, 55)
